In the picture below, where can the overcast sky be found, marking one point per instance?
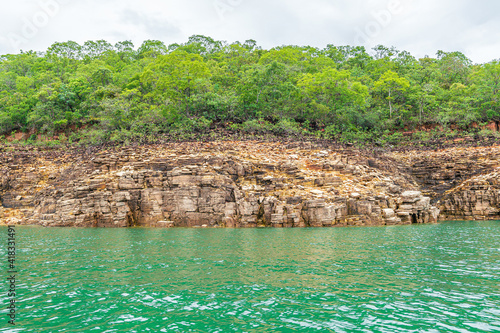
(419, 26)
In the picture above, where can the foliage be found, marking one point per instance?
(121, 93)
(254, 126)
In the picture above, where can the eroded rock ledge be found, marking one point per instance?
(463, 182)
(230, 184)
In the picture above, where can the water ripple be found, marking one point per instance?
(397, 279)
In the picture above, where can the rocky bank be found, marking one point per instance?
(245, 184)
(464, 182)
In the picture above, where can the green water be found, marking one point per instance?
(427, 278)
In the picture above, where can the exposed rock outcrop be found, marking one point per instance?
(246, 184)
(477, 198)
(224, 184)
(463, 182)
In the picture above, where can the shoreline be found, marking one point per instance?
(241, 228)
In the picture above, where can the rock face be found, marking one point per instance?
(463, 182)
(220, 184)
(477, 198)
(442, 170)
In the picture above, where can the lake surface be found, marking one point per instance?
(425, 278)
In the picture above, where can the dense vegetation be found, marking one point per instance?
(99, 92)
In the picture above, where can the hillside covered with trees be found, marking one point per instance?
(99, 92)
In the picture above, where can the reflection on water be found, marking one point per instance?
(408, 278)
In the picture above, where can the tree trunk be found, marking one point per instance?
(421, 111)
(390, 105)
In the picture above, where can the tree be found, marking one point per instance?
(267, 90)
(390, 83)
(355, 57)
(202, 45)
(175, 77)
(454, 68)
(69, 50)
(289, 55)
(423, 97)
(125, 50)
(152, 49)
(382, 52)
(333, 52)
(95, 49)
(118, 88)
(333, 88)
(487, 80)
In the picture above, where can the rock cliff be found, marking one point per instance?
(243, 184)
(463, 182)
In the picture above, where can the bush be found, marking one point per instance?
(123, 136)
(421, 136)
(331, 132)
(93, 136)
(358, 137)
(394, 138)
(214, 106)
(191, 125)
(60, 124)
(74, 137)
(488, 133)
(287, 127)
(6, 123)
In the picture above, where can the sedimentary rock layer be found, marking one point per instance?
(463, 182)
(240, 184)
